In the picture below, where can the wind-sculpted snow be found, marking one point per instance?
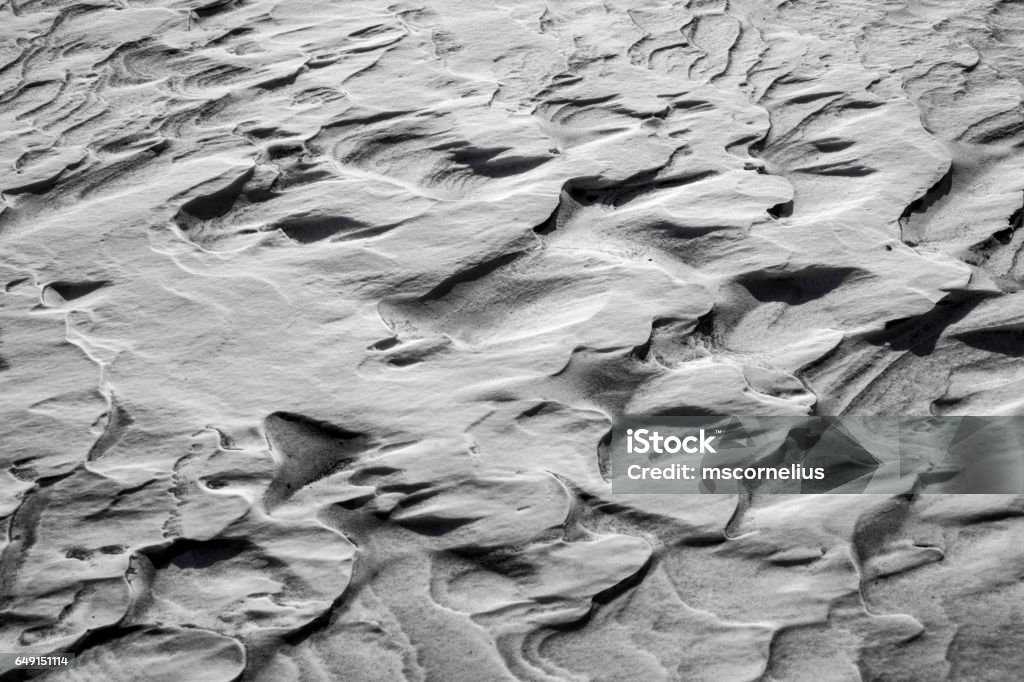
(315, 316)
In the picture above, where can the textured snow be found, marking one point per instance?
(314, 317)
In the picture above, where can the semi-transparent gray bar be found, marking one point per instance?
(813, 455)
(35, 661)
